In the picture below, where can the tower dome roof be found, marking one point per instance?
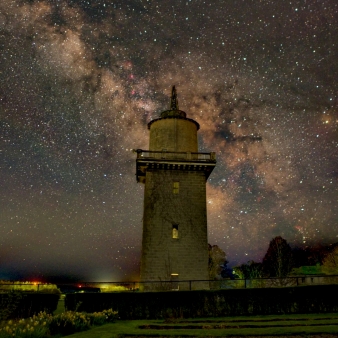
(174, 111)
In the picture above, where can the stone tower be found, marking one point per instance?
(174, 243)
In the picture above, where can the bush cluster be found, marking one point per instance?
(46, 325)
(28, 286)
(18, 304)
(210, 303)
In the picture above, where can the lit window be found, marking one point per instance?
(175, 230)
(174, 281)
(176, 187)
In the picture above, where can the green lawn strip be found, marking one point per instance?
(114, 330)
(131, 328)
(230, 325)
(267, 318)
(246, 320)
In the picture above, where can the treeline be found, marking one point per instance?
(280, 260)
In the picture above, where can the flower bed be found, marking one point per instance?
(46, 325)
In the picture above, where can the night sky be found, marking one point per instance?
(80, 80)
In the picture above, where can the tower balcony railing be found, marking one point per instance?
(173, 156)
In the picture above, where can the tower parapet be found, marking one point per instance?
(147, 159)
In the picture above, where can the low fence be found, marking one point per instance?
(274, 282)
(223, 284)
(184, 285)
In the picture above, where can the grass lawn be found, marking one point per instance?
(218, 327)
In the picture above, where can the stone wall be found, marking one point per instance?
(174, 206)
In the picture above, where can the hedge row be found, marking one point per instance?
(189, 304)
(16, 304)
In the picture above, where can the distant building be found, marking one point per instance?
(314, 274)
(174, 243)
(307, 270)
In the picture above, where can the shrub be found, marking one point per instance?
(34, 327)
(9, 303)
(100, 318)
(68, 323)
(17, 304)
(45, 325)
(210, 303)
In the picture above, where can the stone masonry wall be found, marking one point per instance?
(165, 208)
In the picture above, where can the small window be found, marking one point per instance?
(175, 230)
(176, 187)
(174, 281)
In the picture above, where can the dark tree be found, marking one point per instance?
(278, 260)
(330, 262)
(227, 272)
(309, 256)
(216, 261)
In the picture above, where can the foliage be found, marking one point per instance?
(250, 270)
(9, 304)
(309, 256)
(108, 315)
(227, 272)
(278, 260)
(36, 326)
(69, 322)
(18, 304)
(217, 259)
(330, 262)
(199, 303)
(28, 286)
(113, 288)
(45, 325)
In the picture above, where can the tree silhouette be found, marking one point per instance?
(310, 256)
(330, 262)
(278, 260)
(217, 259)
(227, 272)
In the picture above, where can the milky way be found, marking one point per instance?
(80, 80)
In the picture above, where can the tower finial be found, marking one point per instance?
(174, 102)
